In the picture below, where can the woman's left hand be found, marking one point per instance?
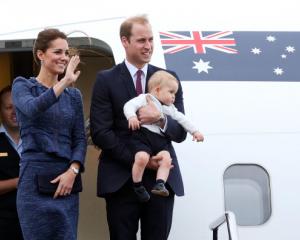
(65, 183)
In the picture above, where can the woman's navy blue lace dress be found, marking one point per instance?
(53, 136)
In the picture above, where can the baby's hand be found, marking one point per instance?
(133, 123)
(197, 136)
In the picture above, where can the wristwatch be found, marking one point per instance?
(75, 170)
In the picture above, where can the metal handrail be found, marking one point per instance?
(229, 219)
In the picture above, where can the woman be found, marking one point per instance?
(50, 115)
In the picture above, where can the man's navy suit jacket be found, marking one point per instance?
(109, 130)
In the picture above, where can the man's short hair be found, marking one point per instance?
(126, 26)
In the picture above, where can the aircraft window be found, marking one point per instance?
(247, 193)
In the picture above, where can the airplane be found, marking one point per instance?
(247, 168)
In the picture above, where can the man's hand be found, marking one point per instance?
(154, 162)
(149, 113)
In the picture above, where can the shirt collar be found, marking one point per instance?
(132, 69)
(16, 146)
(2, 129)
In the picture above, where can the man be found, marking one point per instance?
(110, 132)
(10, 150)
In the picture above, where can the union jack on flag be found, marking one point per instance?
(232, 55)
(174, 42)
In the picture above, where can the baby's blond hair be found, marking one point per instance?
(160, 78)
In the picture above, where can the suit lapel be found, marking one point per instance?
(127, 81)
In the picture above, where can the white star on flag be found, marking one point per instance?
(278, 71)
(290, 49)
(255, 50)
(283, 56)
(271, 38)
(202, 66)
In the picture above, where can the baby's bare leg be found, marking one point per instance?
(162, 174)
(164, 165)
(141, 159)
